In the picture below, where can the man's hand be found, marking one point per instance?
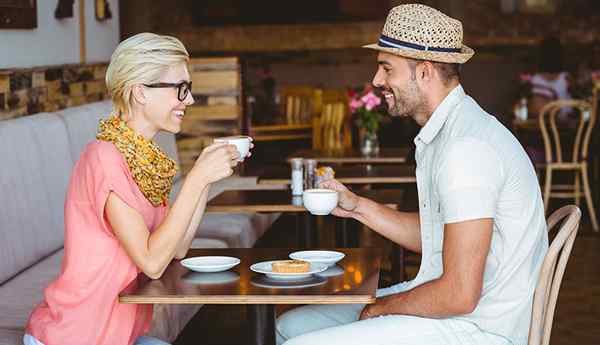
(347, 201)
(368, 311)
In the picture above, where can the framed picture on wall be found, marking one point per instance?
(18, 14)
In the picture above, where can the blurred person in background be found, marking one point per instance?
(551, 82)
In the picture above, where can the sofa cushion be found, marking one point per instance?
(33, 181)
(49, 133)
(233, 228)
(19, 295)
(238, 230)
(11, 337)
(232, 183)
(261, 222)
(82, 124)
(201, 242)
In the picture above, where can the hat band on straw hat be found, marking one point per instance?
(388, 42)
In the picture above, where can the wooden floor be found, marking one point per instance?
(577, 319)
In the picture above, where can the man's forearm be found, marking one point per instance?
(434, 299)
(402, 228)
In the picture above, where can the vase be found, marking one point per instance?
(369, 145)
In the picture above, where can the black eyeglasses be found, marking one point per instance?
(183, 88)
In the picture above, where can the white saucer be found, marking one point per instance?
(266, 268)
(211, 278)
(266, 282)
(210, 263)
(327, 257)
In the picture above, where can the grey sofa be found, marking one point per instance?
(37, 154)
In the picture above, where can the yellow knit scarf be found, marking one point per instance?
(151, 168)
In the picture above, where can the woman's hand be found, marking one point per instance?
(347, 201)
(215, 163)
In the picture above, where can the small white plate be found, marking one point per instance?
(210, 263)
(266, 282)
(327, 257)
(215, 278)
(266, 268)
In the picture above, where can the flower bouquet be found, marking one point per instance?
(366, 108)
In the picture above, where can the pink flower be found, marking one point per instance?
(355, 104)
(595, 75)
(371, 100)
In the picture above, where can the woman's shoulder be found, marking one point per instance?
(101, 152)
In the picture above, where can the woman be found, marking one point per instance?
(117, 222)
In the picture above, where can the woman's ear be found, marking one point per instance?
(137, 92)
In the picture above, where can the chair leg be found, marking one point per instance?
(588, 197)
(547, 187)
(577, 188)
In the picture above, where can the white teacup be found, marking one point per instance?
(241, 142)
(320, 201)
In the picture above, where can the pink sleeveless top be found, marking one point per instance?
(81, 306)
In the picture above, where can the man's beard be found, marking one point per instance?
(408, 102)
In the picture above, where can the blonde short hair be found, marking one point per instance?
(140, 59)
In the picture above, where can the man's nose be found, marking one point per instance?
(378, 80)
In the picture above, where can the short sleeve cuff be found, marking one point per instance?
(468, 204)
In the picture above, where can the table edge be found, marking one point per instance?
(229, 299)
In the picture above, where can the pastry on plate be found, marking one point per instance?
(290, 266)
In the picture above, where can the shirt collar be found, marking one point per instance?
(440, 115)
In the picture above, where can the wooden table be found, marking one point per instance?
(347, 174)
(353, 156)
(353, 280)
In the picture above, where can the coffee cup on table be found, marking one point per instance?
(241, 142)
(320, 201)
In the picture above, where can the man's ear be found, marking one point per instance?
(426, 71)
(138, 94)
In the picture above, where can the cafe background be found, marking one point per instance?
(55, 53)
(60, 62)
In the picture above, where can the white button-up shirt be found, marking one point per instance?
(469, 166)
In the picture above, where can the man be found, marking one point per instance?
(480, 228)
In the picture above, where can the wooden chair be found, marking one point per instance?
(332, 128)
(298, 104)
(551, 273)
(578, 162)
(298, 107)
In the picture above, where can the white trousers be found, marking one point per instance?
(338, 324)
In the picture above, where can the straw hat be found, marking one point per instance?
(424, 33)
